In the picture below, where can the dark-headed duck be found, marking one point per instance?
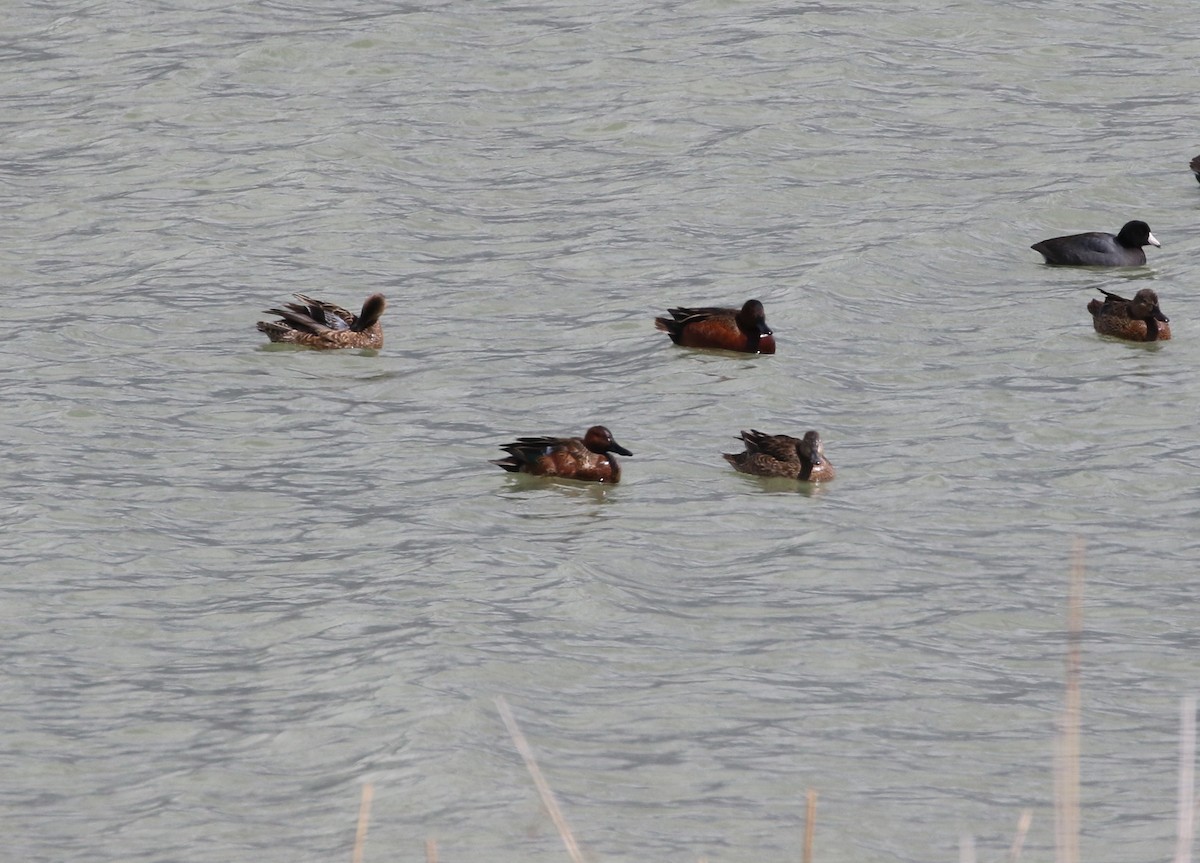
(586, 458)
(743, 329)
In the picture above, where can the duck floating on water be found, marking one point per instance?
(584, 458)
(783, 456)
(726, 329)
(323, 326)
(1139, 319)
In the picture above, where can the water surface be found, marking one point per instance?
(241, 581)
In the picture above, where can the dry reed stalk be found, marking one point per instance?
(1014, 852)
(560, 822)
(364, 816)
(1187, 781)
(810, 824)
(1066, 773)
(966, 848)
(431, 851)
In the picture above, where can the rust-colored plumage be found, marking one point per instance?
(726, 329)
(586, 458)
(1139, 319)
(324, 326)
(783, 456)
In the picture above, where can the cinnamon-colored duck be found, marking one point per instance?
(587, 458)
(726, 329)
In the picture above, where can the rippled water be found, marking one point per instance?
(242, 581)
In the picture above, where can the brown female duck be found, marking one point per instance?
(1139, 319)
(324, 326)
(743, 329)
(783, 456)
(586, 458)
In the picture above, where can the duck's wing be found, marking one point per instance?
(778, 446)
(332, 316)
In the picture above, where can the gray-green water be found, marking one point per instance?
(237, 583)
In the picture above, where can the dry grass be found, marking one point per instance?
(810, 825)
(1186, 826)
(1066, 774)
(364, 816)
(560, 822)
